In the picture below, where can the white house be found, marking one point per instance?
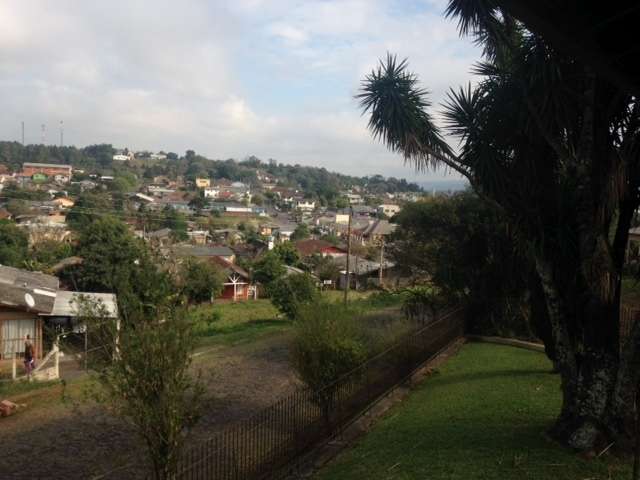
(354, 199)
(120, 158)
(389, 209)
(306, 205)
(211, 192)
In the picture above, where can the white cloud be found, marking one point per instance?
(216, 77)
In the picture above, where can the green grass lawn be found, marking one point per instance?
(240, 322)
(245, 322)
(483, 415)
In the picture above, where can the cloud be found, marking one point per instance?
(271, 78)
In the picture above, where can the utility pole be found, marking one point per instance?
(381, 262)
(346, 287)
(61, 133)
(23, 133)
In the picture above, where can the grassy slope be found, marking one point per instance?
(483, 416)
(245, 322)
(240, 322)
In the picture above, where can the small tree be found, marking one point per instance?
(143, 375)
(201, 281)
(14, 244)
(268, 269)
(328, 343)
(423, 301)
(289, 293)
(300, 233)
(287, 253)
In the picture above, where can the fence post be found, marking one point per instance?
(14, 373)
(57, 359)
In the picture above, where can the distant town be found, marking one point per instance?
(187, 205)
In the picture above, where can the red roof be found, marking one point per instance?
(311, 246)
(230, 267)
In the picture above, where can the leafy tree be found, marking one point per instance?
(290, 292)
(269, 268)
(554, 145)
(301, 232)
(201, 281)
(257, 199)
(287, 253)
(422, 302)
(47, 253)
(463, 246)
(115, 261)
(14, 244)
(176, 222)
(327, 269)
(143, 370)
(88, 208)
(17, 207)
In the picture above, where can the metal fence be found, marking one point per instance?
(628, 317)
(276, 437)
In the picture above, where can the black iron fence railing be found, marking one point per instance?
(276, 437)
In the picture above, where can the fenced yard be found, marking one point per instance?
(483, 415)
(273, 439)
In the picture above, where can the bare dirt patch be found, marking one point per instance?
(58, 439)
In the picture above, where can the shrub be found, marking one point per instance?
(328, 343)
(201, 281)
(423, 301)
(289, 293)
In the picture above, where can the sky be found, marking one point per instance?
(270, 78)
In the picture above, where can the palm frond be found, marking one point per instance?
(399, 117)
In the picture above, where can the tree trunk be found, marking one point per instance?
(597, 383)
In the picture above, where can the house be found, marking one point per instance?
(29, 301)
(63, 202)
(120, 158)
(284, 232)
(198, 237)
(205, 251)
(144, 198)
(364, 272)
(47, 169)
(363, 211)
(64, 315)
(377, 231)
(342, 218)
(203, 183)
(305, 205)
(389, 209)
(323, 248)
(237, 284)
(211, 192)
(4, 214)
(159, 238)
(354, 198)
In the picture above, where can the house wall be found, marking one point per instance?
(242, 292)
(14, 326)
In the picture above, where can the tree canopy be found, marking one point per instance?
(555, 146)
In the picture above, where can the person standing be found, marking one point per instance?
(28, 356)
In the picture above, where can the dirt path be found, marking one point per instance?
(55, 439)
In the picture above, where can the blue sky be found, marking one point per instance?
(271, 78)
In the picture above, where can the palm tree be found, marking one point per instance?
(556, 147)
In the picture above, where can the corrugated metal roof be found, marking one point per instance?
(67, 303)
(45, 165)
(19, 288)
(203, 251)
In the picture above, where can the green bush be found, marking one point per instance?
(328, 343)
(291, 292)
(422, 302)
